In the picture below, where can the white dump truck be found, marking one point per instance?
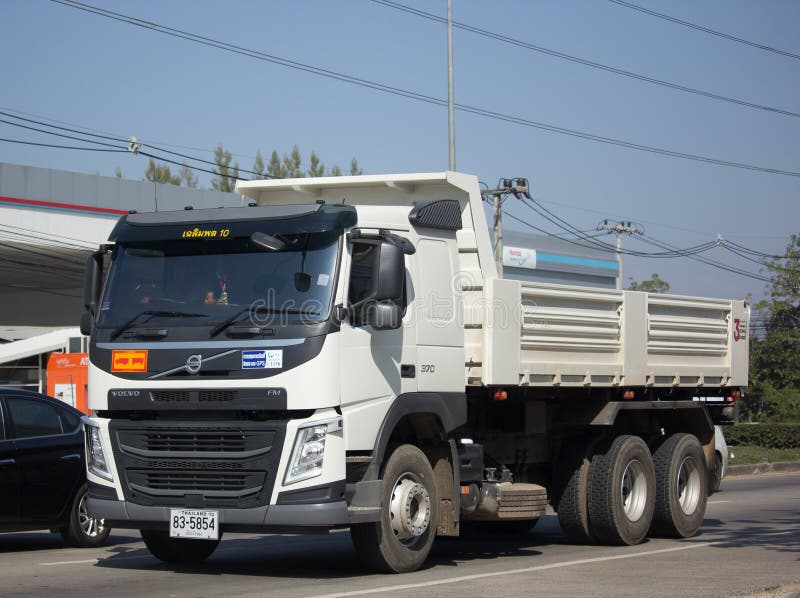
(340, 352)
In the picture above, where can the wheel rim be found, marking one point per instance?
(688, 485)
(633, 489)
(90, 526)
(409, 509)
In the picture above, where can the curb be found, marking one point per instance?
(758, 468)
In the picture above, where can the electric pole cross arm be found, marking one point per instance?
(623, 227)
(518, 187)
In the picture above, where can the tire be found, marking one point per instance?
(681, 487)
(715, 478)
(83, 531)
(621, 492)
(177, 550)
(401, 541)
(573, 507)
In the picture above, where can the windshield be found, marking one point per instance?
(208, 282)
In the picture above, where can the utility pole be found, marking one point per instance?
(623, 227)
(451, 117)
(518, 187)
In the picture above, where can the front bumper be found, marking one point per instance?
(298, 518)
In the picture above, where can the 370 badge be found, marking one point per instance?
(262, 359)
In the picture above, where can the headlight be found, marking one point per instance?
(95, 457)
(309, 451)
(307, 455)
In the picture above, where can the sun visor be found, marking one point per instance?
(223, 223)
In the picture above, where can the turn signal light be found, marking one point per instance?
(627, 395)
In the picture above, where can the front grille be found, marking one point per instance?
(185, 396)
(185, 440)
(217, 395)
(171, 396)
(223, 464)
(196, 481)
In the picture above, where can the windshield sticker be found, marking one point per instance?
(263, 359)
(323, 280)
(197, 233)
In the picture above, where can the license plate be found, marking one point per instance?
(190, 523)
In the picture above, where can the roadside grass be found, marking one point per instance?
(745, 454)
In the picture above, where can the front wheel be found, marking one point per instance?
(402, 539)
(83, 531)
(177, 550)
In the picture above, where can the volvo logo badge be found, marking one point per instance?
(194, 363)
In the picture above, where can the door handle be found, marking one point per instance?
(71, 457)
(7, 461)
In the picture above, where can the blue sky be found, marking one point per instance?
(65, 65)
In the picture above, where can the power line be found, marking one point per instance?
(206, 41)
(590, 63)
(69, 147)
(706, 29)
(118, 139)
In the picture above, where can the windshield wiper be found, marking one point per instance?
(153, 313)
(258, 309)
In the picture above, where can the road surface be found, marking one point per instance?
(750, 541)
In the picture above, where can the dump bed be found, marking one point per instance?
(555, 335)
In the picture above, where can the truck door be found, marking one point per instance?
(377, 365)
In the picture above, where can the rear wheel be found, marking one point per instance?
(621, 492)
(177, 550)
(573, 508)
(83, 531)
(681, 487)
(401, 541)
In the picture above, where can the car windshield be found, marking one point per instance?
(208, 282)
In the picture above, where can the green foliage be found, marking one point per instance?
(656, 284)
(775, 354)
(335, 171)
(258, 166)
(355, 170)
(316, 168)
(118, 173)
(225, 179)
(778, 436)
(159, 173)
(188, 177)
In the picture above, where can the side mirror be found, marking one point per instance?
(92, 281)
(87, 323)
(390, 273)
(382, 316)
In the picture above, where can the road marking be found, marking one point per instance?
(449, 580)
(717, 502)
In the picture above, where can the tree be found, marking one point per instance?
(335, 171)
(188, 177)
(225, 179)
(275, 168)
(291, 164)
(355, 170)
(159, 173)
(317, 168)
(118, 173)
(656, 284)
(258, 166)
(775, 354)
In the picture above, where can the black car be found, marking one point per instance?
(42, 469)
